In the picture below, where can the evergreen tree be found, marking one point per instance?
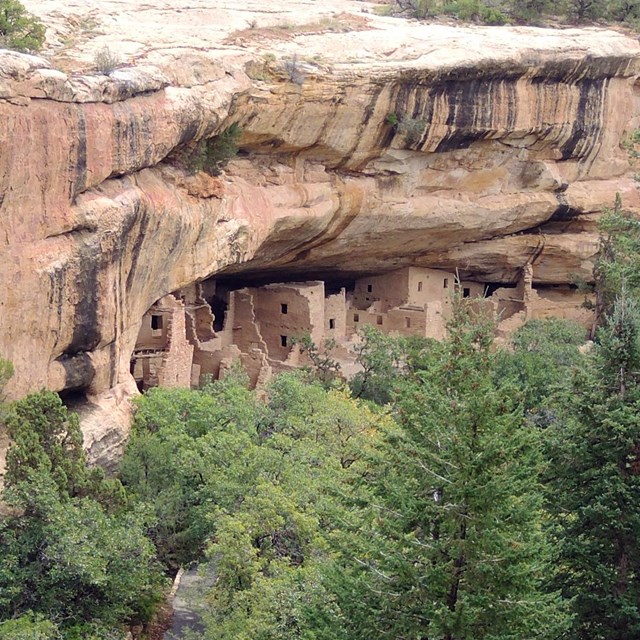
(18, 28)
(618, 262)
(455, 547)
(597, 487)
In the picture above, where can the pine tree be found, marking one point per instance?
(596, 495)
(456, 548)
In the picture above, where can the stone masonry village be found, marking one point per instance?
(203, 329)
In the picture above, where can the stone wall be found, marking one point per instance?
(335, 315)
(288, 311)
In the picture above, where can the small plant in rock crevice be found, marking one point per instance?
(293, 71)
(106, 61)
(211, 155)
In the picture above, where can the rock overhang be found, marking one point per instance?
(518, 152)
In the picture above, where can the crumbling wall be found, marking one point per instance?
(245, 331)
(178, 358)
(286, 311)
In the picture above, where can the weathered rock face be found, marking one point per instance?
(507, 147)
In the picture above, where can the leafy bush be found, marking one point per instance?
(73, 552)
(212, 155)
(29, 627)
(19, 29)
(412, 129)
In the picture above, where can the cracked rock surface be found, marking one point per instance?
(369, 143)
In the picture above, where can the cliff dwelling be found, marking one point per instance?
(182, 340)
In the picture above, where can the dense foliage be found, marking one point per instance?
(454, 491)
(19, 29)
(73, 552)
(498, 12)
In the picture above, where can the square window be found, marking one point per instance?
(356, 317)
(156, 323)
(284, 309)
(332, 323)
(369, 288)
(283, 341)
(466, 292)
(379, 320)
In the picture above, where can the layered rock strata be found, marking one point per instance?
(474, 149)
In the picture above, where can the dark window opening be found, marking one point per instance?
(332, 323)
(219, 304)
(283, 341)
(446, 283)
(466, 292)
(356, 317)
(407, 323)
(379, 320)
(369, 288)
(156, 323)
(419, 286)
(284, 309)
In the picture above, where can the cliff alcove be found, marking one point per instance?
(516, 147)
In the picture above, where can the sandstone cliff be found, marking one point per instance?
(508, 144)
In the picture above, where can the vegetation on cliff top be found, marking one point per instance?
(498, 12)
(19, 29)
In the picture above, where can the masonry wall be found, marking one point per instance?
(176, 362)
(304, 305)
(476, 289)
(335, 309)
(245, 330)
(153, 339)
(560, 302)
(391, 288)
(428, 285)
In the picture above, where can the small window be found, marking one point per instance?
(379, 320)
(156, 323)
(283, 341)
(466, 292)
(369, 288)
(419, 286)
(284, 309)
(332, 323)
(407, 323)
(446, 283)
(356, 317)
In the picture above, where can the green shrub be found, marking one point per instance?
(492, 16)
(212, 155)
(29, 627)
(412, 129)
(19, 30)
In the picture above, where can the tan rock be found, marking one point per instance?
(508, 148)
